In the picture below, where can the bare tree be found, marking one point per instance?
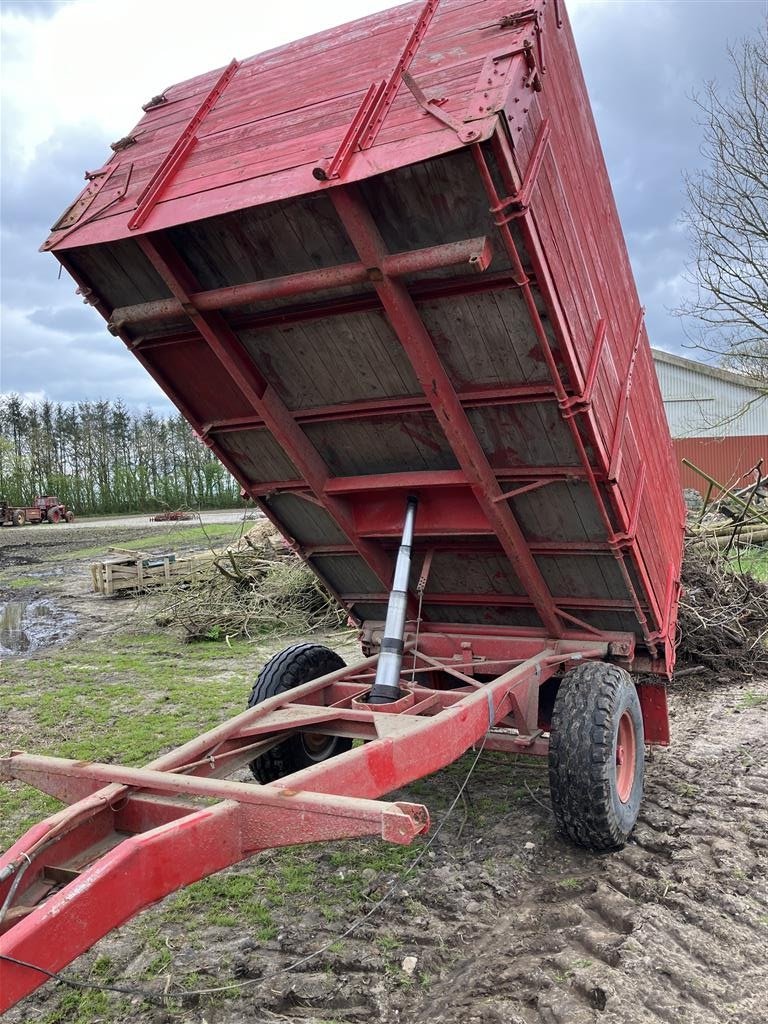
(727, 216)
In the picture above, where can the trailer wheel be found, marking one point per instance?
(596, 756)
(19, 517)
(292, 667)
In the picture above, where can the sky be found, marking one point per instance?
(75, 72)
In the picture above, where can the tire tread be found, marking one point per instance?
(581, 751)
(293, 666)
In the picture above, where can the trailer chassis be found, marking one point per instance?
(131, 836)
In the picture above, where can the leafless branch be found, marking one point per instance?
(727, 216)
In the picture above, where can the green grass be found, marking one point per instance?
(571, 883)
(126, 700)
(19, 582)
(160, 539)
(754, 700)
(754, 561)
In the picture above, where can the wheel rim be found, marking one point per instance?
(317, 746)
(626, 757)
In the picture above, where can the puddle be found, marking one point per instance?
(33, 624)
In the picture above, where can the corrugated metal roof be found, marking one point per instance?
(706, 401)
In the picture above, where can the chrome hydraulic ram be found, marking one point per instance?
(386, 687)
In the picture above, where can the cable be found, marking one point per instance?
(181, 995)
(74, 983)
(14, 886)
(418, 630)
(398, 882)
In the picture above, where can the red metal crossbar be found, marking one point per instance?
(476, 252)
(438, 389)
(176, 155)
(146, 824)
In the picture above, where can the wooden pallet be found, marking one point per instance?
(141, 571)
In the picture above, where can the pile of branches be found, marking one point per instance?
(723, 618)
(255, 587)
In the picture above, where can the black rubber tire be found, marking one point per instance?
(589, 705)
(69, 517)
(292, 667)
(19, 517)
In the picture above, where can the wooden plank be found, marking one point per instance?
(143, 572)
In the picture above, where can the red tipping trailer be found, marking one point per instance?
(381, 273)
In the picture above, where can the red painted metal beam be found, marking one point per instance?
(419, 347)
(376, 103)
(491, 600)
(476, 546)
(476, 252)
(396, 481)
(71, 781)
(160, 180)
(426, 478)
(427, 290)
(263, 398)
(471, 398)
(167, 857)
(418, 745)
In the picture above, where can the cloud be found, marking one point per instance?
(68, 365)
(74, 78)
(643, 63)
(32, 8)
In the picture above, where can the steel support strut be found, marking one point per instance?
(418, 346)
(474, 252)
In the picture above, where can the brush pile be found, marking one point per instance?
(255, 587)
(723, 618)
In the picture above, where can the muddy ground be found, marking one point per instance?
(500, 921)
(45, 582)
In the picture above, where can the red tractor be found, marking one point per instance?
(46, 509)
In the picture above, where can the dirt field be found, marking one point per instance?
(506, 922)
(45, 583)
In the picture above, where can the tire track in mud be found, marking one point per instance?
(673, 928)
(512, 925)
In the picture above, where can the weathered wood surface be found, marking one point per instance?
(140, 571)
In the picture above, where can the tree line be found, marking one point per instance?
(102, 457)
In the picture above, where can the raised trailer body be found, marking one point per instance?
(382, 262)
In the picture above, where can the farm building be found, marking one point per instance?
(718, 419)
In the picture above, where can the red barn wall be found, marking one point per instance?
(726, 459)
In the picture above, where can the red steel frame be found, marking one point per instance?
(463, 684)
(145, 823)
